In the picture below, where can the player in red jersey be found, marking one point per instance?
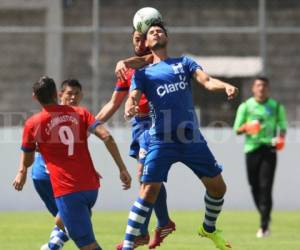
(123, 84)
(70, 94)
(60, 132)
(140, 123)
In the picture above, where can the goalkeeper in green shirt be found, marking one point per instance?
(263, 121)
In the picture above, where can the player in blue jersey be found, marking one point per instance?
(140, 123)
(70, 94)
(175, 135)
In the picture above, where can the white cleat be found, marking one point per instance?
(262, 234)
(45, 247)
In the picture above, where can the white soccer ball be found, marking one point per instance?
(144, 17)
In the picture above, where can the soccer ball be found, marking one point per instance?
(144, 17)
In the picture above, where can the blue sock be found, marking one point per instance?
(137, 217)
(144, 227)
(57, 239)
(213, 207)
(161, 208)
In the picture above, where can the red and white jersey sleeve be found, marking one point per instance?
(125, 86)
(28, 138)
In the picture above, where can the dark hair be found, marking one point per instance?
(143, 34)
(159, 24)
(133, 30)
(45, 90)
(262, 78)
(70, 83)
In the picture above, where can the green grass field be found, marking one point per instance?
(29, 230)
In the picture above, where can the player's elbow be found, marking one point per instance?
(27, 164)
(105, 137)
(209, 84)
(28, 159)
(206, 82)
(102, 133)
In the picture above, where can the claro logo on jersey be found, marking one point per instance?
(173, 87)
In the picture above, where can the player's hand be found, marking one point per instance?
(126, 179)
(251, 128)
(131, 108)
(20, 180)
(278, 142)
(121, 70)
(231, 91)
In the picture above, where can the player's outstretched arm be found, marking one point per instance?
(135, 62)
(105, 136)
(131, 105)
(112, 106)
(213, 84)
(27, 159)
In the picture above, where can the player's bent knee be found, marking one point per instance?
(150, 191)
(223, 189)
(215, 187)
(220, 190)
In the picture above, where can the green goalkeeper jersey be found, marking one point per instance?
(271, 116)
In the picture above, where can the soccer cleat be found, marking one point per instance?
(263, 233)
(161, 233)
(216, 237)
(139, 241)
(46, 247)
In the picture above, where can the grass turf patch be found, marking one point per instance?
(29, 230)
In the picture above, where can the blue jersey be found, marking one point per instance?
(167, 86)
(39, 169)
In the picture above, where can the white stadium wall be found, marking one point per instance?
(184, 189)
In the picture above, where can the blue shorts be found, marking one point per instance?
(75, 212)
(193, 153)
(39, 169)
(44, 189)
(139, 125)
(144, 142)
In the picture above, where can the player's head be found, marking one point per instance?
(44, 90)
(156, 37)
(138, 42)
(70, 92)
(260, 87)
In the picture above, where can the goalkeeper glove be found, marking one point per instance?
(251, 128)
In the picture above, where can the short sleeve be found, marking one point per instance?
(122, 86)
(125, 85)
(282, 124)
(241, 116)
(138, 81)
(191, 65)
(28, 138)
